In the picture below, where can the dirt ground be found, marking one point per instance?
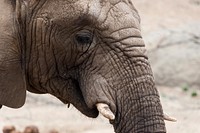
(47, 113)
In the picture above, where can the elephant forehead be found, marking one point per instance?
(64, 9)
(102, 13)
(68, 10)
(120, 16)
(114, 14)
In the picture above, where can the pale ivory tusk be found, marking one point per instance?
(168, 118)
(105, 111)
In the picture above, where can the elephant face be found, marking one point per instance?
(87, 53)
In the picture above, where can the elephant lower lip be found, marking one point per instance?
(82, 107)
(93, 113)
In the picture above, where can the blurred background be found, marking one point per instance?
(171, 30)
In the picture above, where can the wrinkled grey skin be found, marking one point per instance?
(83, 52)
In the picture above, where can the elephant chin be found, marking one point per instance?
(84, 109)
(92, 113)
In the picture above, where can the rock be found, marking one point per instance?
(172, 37)
(16, 132)
(196, 2)
(53, 131)
(31, 129)
(8, 129)
(175, 55)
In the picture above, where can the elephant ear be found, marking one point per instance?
(12, 72)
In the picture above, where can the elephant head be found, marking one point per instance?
(87, 53)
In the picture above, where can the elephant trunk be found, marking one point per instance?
(125, 83)
(130, 95)
(138, 105)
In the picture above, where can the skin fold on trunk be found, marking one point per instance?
(129, 92)
(141, 113)
(138, 103)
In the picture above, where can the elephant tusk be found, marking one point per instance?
(168, 118)
(105, 111)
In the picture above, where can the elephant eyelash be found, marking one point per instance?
(84, 38)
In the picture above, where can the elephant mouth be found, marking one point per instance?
(76, 98)
(99, 106)
(78, 101)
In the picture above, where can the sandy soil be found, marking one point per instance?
(48, 113)
(184, 107)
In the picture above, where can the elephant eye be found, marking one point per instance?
(84, 38)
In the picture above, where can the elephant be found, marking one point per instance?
(90, 54)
